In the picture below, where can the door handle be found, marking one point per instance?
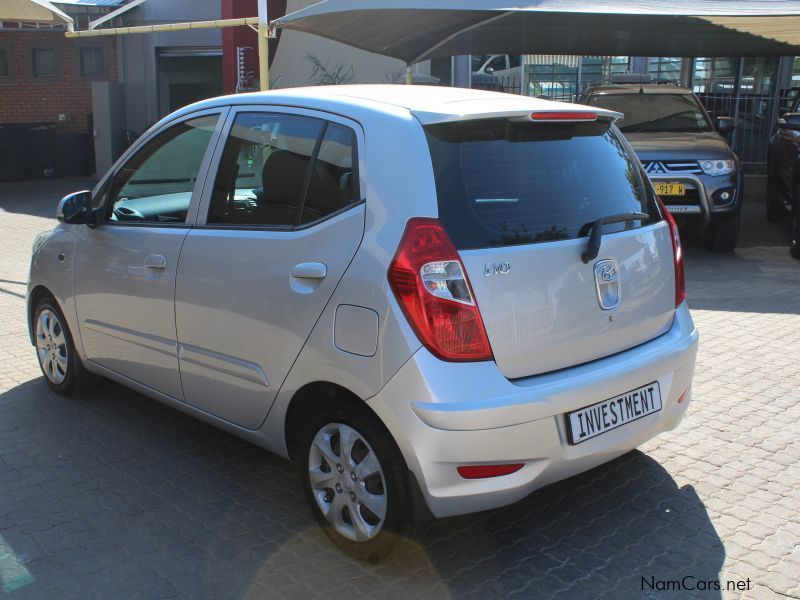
(155, 261)
(310, 270)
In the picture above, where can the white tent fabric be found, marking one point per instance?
(416, 30)
(33, 11)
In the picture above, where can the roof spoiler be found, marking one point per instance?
(570, 113)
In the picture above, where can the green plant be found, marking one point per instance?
(322, 74)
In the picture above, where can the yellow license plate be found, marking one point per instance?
(670, 189)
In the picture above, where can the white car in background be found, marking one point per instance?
(500, 65)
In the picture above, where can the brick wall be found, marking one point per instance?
(28, 99)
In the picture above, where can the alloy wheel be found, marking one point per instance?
(51, 346)
(347, 482)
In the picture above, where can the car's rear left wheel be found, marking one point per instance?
(356, 482)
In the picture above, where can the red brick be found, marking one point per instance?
(24, 99)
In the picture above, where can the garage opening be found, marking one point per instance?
(187, 75)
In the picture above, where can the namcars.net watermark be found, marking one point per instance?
(691, 583)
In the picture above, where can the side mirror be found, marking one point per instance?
(726, 125)
(75, 208)
(489, 70)
(790, 121)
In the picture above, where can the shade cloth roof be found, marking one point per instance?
(415, 30)
(34, 11)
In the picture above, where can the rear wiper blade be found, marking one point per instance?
(596, 227)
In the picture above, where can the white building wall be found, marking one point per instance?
(290, 67)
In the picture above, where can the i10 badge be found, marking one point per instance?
(498, 268)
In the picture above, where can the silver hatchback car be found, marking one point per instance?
(434, 300)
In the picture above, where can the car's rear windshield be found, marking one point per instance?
(655, 113)
(501, 183)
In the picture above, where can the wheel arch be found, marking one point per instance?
(34, 297)
(310, 397)
(319, 393)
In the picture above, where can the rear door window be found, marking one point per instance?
(501, 183)
(284, 171)
(264, 169)
(332, 186)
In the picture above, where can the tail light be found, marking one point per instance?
(433, 290)
(680, 280)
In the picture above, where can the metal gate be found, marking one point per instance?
(756, 115)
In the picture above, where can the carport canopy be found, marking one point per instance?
(417, 30)
(32, 11)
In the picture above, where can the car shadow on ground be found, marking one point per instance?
(112, 493)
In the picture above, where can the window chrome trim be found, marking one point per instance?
(279, 228)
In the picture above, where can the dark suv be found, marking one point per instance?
(783, 170)
(687, 157)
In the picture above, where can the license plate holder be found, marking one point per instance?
(670, 188)
(601, 417)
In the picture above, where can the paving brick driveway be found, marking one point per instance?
(114, 495)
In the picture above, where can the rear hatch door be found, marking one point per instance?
(514, 198)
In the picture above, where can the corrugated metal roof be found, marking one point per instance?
(91, 2)
(33, 11)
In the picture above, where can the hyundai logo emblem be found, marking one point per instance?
(606, 272)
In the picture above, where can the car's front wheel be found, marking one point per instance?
(794, 245)
(356, 482)
(60, 364)
(775, 208)
(722, 234)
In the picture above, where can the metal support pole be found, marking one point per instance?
(737, 83)
(462, 71)
(409, 76)
(263, 45)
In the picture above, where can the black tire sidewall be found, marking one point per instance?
(722, 234)
(67, 386)
(775, 210)
(794, 242)
(399, 524)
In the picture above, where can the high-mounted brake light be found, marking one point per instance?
(563, 116)
(433, 290)
(677, 248)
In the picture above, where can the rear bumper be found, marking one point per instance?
(443, 415)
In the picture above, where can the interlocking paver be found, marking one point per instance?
(113, 495)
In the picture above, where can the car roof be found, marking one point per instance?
(635, 88)
(429, 104)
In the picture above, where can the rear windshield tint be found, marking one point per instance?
(501, 183)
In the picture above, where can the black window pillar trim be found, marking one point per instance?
(312, 163)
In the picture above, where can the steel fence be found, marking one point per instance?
(755, 115)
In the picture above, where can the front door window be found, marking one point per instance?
(155, 185)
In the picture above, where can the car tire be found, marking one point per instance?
(722, 234)
(794, 244)
(775, 208)
(367, 512)
(61, 366)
